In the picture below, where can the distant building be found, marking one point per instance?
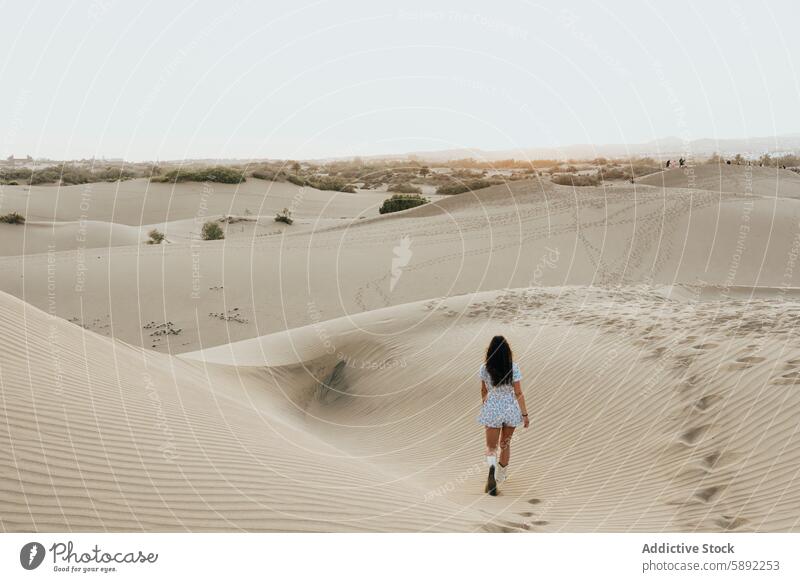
(18, 162)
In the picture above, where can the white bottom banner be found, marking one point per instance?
(350, 557)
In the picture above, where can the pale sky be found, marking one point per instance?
(295, 80)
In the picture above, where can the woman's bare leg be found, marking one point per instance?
(492, 439)
(505, 444)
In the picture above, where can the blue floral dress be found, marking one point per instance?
(501, 406)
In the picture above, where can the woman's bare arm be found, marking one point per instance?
(521, 399)
(484, 391)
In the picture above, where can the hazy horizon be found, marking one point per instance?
(252, 81)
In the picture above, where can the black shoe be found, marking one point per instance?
(491, 484)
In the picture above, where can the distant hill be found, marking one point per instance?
(660, 148)
(769, 182)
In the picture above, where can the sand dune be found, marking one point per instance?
(758, 181)
(42, 237)
(36, 237)
(101, 436)
(327, 376)
(138, 202)
(650, 415)
(531, 233)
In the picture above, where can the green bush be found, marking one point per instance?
(66, 175)
(405, 188)
(576, 179)
(628, 171)
(400, 202)
(333, 183)
(285, 216)
(459, 187)
(614, 173)
(296, 180)
(12, 218)
(271, 175)
(212, 231)
(219, 174)
(156, 237)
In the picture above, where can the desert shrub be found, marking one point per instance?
(212, 231)
(374, 179)
(400, 202)
(333, 183)
(296, 180)
(285, 216)
(112, 174)
(12, 218)
(524, 175)
(458, 187)
(452, 188)
(639, 170)
(626, 171)
(21, 174)
(220, 174)
(576, 179)
(614, 173)
(156, 237)
(787, 161)
(271, 175)
(68, 175)
(405, 188)
(562, 168)
(467, 174)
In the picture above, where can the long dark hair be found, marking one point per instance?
(499, 361)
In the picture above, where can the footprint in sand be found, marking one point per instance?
(707, 401)
(534, 501)
(705, 346)
(789, 378)
(746, 362)
(730, 522)
(708, 494)
(718, 459)
(495, 528)
(693, 435)
(682, 361)
(527, 525)
(691, 382)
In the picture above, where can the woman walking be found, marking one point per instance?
(503, 408)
